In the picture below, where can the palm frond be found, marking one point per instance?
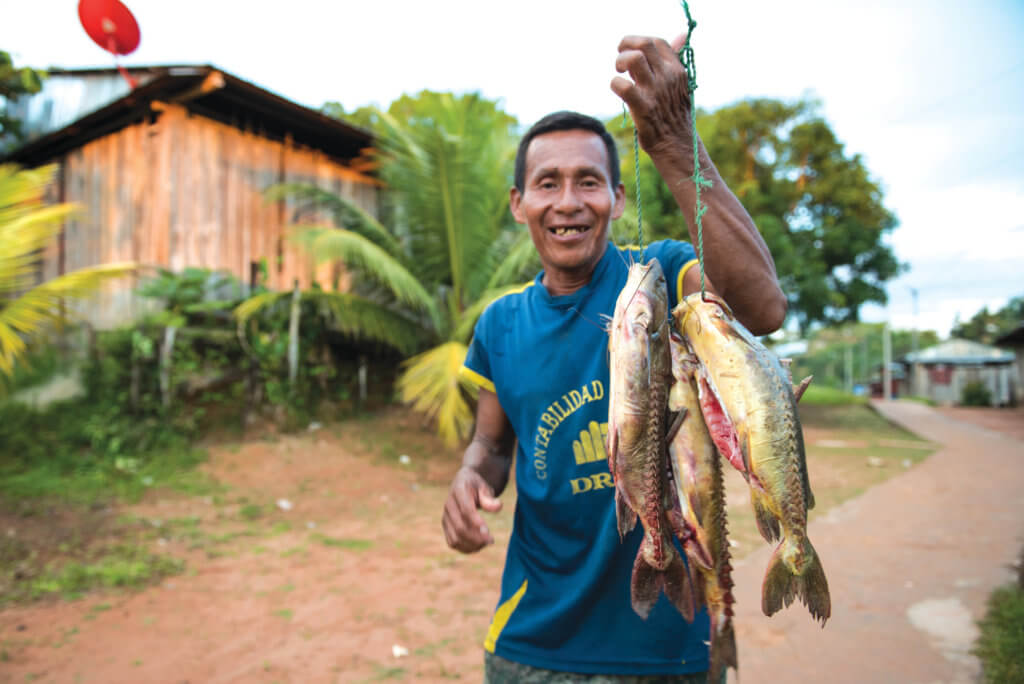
(447, 160)
(26, 226)
(361, 318)
(520, 261)
(346, 214)
(27, 316)
(430, 382)
(349, 314)
(253, 305)
(359, 254)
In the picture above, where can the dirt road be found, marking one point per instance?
(909, 563)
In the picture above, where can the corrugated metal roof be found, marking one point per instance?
(66, 97)
(960, 352)
(84, 104)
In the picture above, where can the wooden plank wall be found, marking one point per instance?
(188, 191)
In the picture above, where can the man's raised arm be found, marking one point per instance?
(736, 257)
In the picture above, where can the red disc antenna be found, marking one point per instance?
(111, 26)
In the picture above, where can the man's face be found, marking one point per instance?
(567, 201)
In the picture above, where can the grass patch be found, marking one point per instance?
(858, 418)
(251, 511)
(1001, 644)
(121, 566)
(830, 396)
(352, 544)
(82, 453)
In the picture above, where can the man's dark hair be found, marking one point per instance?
(566, 121)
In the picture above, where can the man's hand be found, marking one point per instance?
(464, 528)
(657, 97)
(735, 255)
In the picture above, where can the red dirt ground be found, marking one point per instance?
(311, 604)
(318, 593)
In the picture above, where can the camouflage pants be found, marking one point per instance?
(497, 670)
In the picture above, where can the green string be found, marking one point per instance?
(636, 180)
(699, 181)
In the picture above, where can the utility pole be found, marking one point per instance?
(849, 367)
(913, 345)
(886, 362)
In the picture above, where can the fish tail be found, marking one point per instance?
(767, 523)
(795, 571)
(648, 582)
(722, 652)
(645, 586)
(679, 587)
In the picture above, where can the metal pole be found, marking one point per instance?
(886, 362)
(849, 367)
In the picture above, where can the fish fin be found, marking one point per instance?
(799, 390)
(700, 596)
(722, 653)
(644, 586)
(767, 523)
(782, 583)
(625, 517)
(688, 537)
(679, 587)
(675, 421)
(613, 446)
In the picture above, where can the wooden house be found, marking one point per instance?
(172, 173)
(940, 373)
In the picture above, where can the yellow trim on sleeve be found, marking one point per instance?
(480, 381)
(682, 274)
(501, 617)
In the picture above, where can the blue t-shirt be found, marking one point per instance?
(565, 591)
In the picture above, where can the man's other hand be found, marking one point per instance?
(464, 527)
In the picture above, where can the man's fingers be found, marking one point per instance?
(678, 42)
(488, 502)
(466, 513)
(628, 91)
(635, 62)
(460, 533)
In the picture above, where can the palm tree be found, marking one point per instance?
(26, 226)
(449, 249)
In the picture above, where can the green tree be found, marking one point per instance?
(986, 327)
(27, 309)
(819, 211)
(15, 82)
(449, 246)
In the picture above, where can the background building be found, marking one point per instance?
(172, 174)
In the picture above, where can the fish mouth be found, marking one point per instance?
(568, 231)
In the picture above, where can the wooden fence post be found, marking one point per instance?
(293, 335)
(165, 364)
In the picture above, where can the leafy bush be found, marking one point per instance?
(975, 394)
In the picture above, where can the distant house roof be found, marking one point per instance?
(79, 105)
(960, 352)
(1015, 336)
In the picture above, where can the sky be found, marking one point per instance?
(929, 92)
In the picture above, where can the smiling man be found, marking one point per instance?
(539, 357)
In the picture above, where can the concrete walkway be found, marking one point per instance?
(910, 564)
